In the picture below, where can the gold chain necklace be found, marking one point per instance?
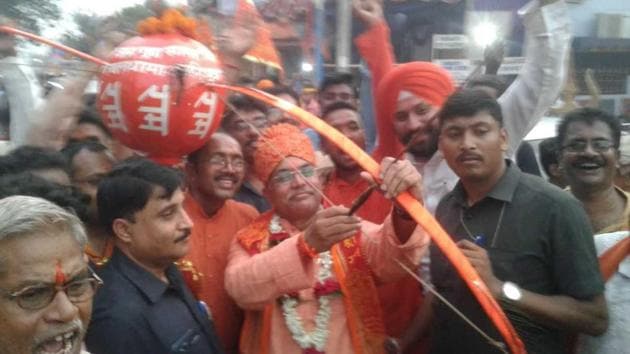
(480, 239)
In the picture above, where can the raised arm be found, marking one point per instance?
(374, 44)
(542, 77)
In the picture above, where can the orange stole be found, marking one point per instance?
(363, 309)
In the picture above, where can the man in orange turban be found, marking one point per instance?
(305, 274)
(409, 96)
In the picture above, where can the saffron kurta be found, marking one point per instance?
(400, 299)
(376, 207)
(259, 280)
(210, 244)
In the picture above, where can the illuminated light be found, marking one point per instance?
(485, 33)
(307, 67)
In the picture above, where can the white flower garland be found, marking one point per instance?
(319, 336)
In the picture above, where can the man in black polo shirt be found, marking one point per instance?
(529, 241)
(144, 306)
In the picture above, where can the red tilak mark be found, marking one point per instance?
(60, 278)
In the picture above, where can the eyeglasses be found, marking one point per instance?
(39, 296)
(598, 145)
(223, 162)
(287, 176)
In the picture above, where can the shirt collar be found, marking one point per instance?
(147, 283)
(503, 190)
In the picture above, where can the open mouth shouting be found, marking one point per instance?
(63, 343)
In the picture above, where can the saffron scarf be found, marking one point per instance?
(363, 311)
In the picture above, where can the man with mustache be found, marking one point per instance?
(306, 275)
(242, 120)
(588, 140)
(529, 241)
(346, 184)
(214, 174)
(589, 154)
(400, 299)
(337, 87)
(46, 285)
(144, 306)
(408, 96)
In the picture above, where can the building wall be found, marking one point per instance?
(584, 14)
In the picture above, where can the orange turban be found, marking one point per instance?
(277, 143)
(423, 79)
(263, 49)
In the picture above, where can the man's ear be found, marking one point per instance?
(555, 170)
(122, 229)
(504, 139)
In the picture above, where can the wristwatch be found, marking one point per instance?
(511, 292)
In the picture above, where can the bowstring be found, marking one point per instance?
(498, 344)
(265, 141)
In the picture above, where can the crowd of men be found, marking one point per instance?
(251, 246)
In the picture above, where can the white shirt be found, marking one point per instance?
(24, 95)
(616, 340)
(525, 102)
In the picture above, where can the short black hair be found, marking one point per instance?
(494, 81)
(33, 158)
(75, 147)
(590, 116)
(548, 152)
(129, 186)
(338, 106)
(28, 184)
(241, 103)
(338, 78)
(282, 89)
(469, 102)
(90, 116)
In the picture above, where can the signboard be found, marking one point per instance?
(459, 68)
(450, 41)
(511, 65)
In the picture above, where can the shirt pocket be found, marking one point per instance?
(519, 266)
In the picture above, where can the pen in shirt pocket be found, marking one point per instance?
(480, 240)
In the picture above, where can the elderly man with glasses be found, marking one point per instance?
(306, 275)
(45, 284)
(589, 141)
(589, 154)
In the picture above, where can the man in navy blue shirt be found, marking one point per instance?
(145, 306)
